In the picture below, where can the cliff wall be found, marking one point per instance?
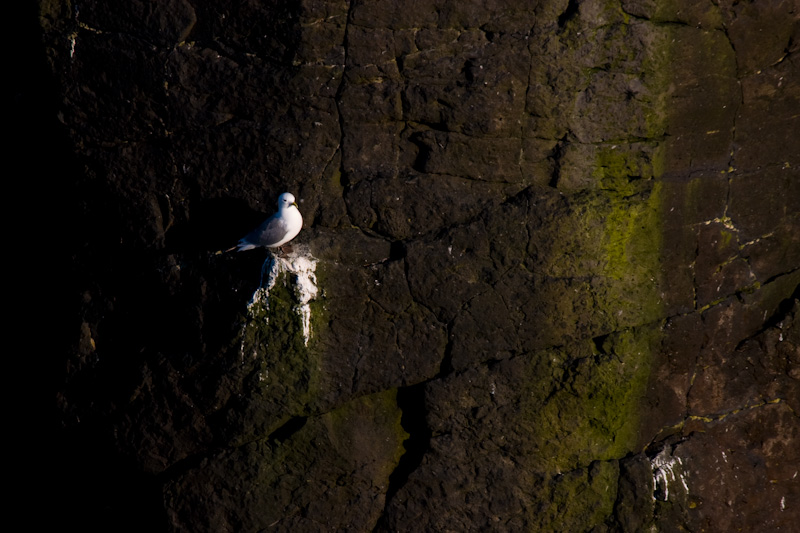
(547, 281)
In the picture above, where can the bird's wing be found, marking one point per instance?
(267, 234)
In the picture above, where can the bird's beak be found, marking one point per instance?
(295, 204)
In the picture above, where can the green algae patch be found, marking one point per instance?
(337, 460)
(280, 373)
(368, 432)
(633, 244)
(600, 263)
(623, 169)
(594, 413)
(597, 411)
(582, 499)
(273, 326)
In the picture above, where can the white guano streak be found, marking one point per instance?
(303, 266)
(663, 466)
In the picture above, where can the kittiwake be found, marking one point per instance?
(278, 229)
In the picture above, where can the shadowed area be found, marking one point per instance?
(553, 248)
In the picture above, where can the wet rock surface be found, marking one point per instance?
(555, 249)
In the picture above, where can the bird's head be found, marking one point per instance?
(285, 200)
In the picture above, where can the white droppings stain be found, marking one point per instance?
(73, 37)
(783, 503)
(301, 266)
(305, 289)
(663, 466)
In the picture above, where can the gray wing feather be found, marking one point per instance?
(271, 231)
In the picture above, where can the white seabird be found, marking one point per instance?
(278, 229)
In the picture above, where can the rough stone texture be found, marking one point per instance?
(558, 255)
(293, 479)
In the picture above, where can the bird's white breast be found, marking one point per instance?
(294, 223)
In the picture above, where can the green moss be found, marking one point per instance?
(589, 422)
(594, 415)
(285, 372)
(336, 179)
(725, 238)
(608, 247)
(382, 447)
(633, 241)
(274, 326)
(622, 169)
(347, 451)
(582, 499)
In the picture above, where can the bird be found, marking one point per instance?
(277, 230)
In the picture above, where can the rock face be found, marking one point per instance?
(548, 279)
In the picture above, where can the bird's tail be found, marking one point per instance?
(241, 247)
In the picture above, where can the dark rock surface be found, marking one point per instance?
(548, 277)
